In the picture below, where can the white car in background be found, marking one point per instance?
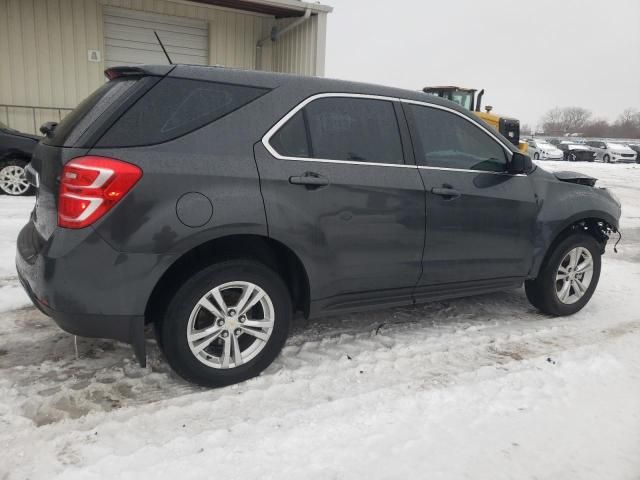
(609, 152)
(543, 150)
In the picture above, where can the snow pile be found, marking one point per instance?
(483, 387)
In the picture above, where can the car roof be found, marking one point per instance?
(272, 80)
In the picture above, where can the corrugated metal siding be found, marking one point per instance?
(43, 53)
(44, 43)
(302, 49)
(129, 38)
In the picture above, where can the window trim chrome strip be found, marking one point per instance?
(272, 131)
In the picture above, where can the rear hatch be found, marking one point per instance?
(80, 130)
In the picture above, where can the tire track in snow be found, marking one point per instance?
(397, 363)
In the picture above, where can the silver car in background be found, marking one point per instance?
(540, 149)
(610, 152)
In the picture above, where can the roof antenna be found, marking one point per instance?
(163, 49)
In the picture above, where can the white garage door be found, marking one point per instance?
(129, 38)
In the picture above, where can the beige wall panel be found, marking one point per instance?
(44, 43)
(295, 51)
(5, 73)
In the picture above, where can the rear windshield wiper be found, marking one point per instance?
(47, 128)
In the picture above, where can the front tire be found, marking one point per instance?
(606, 159)
(227, 323)
(536, 156)
(13, 180)
(568, 278)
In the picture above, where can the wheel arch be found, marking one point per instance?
(14, 155)
(272, 253)
(597, 224)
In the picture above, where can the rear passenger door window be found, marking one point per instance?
(342, 128)
(354, 129)
(447, 140)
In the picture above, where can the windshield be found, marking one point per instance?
(461, 97)
(464, 99)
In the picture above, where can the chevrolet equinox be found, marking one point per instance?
(214, 203)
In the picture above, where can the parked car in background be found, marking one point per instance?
(542, 150)
(610, 152)
(214, 203)
(636, 148)
(574, 152)
(15, 154)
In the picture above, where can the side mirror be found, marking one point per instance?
(520, 163)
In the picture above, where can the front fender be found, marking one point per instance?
(563, 204)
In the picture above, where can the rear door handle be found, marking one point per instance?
(447, 192)
(310, 180)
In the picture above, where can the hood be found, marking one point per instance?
(547, 147)
(575, 177)
(617, 147)
(579, 147)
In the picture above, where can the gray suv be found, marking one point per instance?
(214, 203)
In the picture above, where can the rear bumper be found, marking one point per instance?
(87, 287)
(128, 329)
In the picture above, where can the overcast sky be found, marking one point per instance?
(529, 56)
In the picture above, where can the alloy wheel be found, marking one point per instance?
(230, 325)
(574, 275)
(13, 180)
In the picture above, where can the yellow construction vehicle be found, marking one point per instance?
(466, 97)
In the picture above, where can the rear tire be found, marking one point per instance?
(545, 292)
(234, 332)
(13, 180)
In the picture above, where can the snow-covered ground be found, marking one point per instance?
(483, 387)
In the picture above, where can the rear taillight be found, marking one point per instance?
(90, 187)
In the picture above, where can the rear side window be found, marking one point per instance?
(449, 141)
(342, 128)
(72, 126)
(175, 107)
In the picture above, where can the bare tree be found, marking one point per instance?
(552, 121)
(561, 121)
(574, 119)
(628, 124)
(525, 129)
(597, 128)
(567, 120)
(629, 116)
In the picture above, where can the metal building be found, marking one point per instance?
(53, 52)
